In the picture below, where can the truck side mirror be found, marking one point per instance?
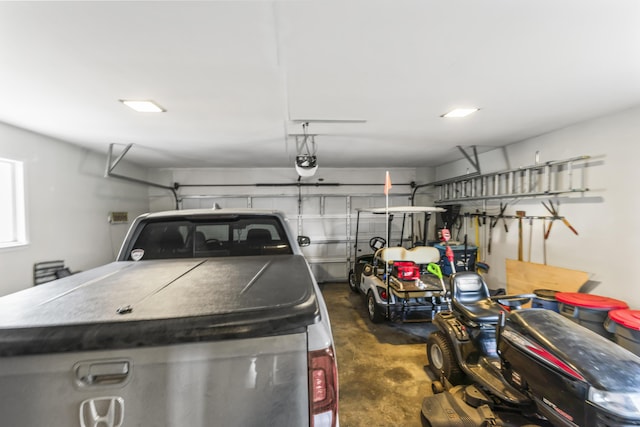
(304, 241)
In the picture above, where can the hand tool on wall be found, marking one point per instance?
(476, 226)
(449, 217)
(530, 237)
(554, 212)
(520, 214)
(491, 226)
(459, 224)
(501, 216)
(466, 242)
(494, 221)
(544, 241)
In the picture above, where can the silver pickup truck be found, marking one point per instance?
(207, 318)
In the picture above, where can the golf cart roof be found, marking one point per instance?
(402, 209)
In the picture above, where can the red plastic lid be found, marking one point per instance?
(627, 318)
(590, 301)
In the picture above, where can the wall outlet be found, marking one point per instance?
(118, 217)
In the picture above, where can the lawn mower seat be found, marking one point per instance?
(470, 297)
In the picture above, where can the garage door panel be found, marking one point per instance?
(288, 205)
(329, 272)
(325, 228)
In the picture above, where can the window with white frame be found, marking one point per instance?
(12, 213)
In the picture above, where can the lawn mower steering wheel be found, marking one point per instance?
(377, 242)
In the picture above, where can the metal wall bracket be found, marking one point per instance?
(474, 162)
(112, 163)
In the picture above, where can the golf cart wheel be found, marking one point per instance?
(442, 360)
(375, 314)
(352, 281)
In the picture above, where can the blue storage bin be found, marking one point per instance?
(625, 325)
(545, 298)
(461, 262)
(588, 310)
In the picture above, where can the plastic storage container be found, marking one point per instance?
(461, 262)
(625, 325)
(588, 310)
(545, 298)
(406, 270)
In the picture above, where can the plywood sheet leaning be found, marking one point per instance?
(525, 277)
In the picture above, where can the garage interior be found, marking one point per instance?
(248, 90)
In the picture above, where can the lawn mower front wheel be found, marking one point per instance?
(442, 359)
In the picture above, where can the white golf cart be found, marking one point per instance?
(402, 282)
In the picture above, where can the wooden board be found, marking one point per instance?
(525, 277)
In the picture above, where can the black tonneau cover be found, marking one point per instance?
(147, 303)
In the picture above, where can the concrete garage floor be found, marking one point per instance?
(382, 367)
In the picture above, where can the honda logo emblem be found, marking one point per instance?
(102, 412)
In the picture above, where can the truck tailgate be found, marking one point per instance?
(214, 383)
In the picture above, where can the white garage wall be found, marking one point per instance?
(604, 217)
(67, 201)
(66, 191)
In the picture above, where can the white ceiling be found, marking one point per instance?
(235, 75)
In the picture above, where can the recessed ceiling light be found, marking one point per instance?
(143, 106)
(460, 112)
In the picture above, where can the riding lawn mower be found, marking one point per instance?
(497, 364)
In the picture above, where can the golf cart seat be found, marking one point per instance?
(423, 254)
(397, 253)
(470, 296)
(419, 254)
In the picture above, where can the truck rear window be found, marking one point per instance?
(195, 238)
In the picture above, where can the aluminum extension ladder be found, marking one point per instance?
(543, 179)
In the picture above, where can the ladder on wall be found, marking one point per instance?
(544, 179)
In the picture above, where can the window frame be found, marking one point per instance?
(13, 213)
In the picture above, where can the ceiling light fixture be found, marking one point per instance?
(143, 106)
(460, 112)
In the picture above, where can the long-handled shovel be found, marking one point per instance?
(520, 215)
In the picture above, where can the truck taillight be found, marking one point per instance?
(323, 388)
